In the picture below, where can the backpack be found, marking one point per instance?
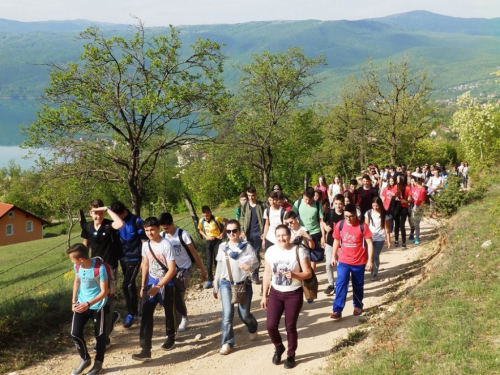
(220, 226)
(361, 227)
(282, 213)
(316, 203)
(184, 245)
(109, 271)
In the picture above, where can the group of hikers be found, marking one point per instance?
(345, 226)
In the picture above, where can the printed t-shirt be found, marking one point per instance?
(103, 242)
(352, 250)
(89, 287)
(308, 215)
(282, 261)
(274, 220)
(211, 227)
(182, 259)
(419, 195)
(388, 193)
(375, 224)
(164, 252)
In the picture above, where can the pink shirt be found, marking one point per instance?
(352, 250)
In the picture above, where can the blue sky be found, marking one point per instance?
(191, 12)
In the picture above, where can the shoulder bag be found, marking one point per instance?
(310, 286)
(238, 291)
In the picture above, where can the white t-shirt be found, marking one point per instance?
(164, 252)
(334, 190)
(274, 220)
(182, 259)
(239, 275)
(378, 234)
(282, 261)
(294, 232)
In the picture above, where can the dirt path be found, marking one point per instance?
(317, 332)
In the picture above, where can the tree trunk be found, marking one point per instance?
(306, 180)
(192, 211)
(135, 195)
(69, 216)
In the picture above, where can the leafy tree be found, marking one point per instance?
(125, 102)
(272, 88)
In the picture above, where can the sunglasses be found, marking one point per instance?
(232, 231)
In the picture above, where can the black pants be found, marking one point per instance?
(170, 301)
(211, 249)
(130, 270)
(99, 317)
(400, 221)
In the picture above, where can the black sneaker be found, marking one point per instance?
(82, 366)
(396, 243)
(143, 356)
(330, 290)
(168, 344)
(403, 246)
(410, 237)
(96, 369)
(277, 354)
(290, 362)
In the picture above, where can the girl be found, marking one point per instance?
(321, 185)
(336, 187)
(403, 195)
(419, 194)
(378, 222)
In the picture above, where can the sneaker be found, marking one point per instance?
(396, 243)
(96, 369)
(208, 285)
(168, 344)
(410, 237)
(417, 241)
(184, 324)
(129, 320)
(357, 311)
(277, 354)
(330, 290)
(290, 362)
(403, 246)
(253, 336)
(336, 315)
(143, 356)
(226, 349)
(310, 301)
(374, 277)
(84, 363)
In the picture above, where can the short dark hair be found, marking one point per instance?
(366, 177)
(290, 215)
(338, 197)
(118, 208)
(79, 249)
(205, 209)
(165, 218)
(243, 195)
(353, 182)
(273, 194)
(350, 208)
(309, 192)
(283, 226)
(96, 203)
(318, 192)
(252, 190)
(151, 222)
(280, 194)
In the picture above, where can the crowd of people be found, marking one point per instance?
(345, 226)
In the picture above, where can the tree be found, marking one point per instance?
(272, 88)
(126, 102)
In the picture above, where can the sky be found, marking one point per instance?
(195, 12)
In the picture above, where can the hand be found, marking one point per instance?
(99, 209)
(153, 291)
(243, 266)
(203, 276)
(262, 237)
(323, 242)
(215, 295)
(333, 263)
(210, 238)
(263, 302)
(80, 307)
(243, 235)
(389, 244)
(288, 275)
(369, 265)
(220, 236)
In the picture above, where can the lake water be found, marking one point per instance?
(15, 153)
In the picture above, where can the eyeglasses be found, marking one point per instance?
(232, 231)
(289, 223)
(349, 217)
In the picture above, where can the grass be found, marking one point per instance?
(449, 324)
(36, 280)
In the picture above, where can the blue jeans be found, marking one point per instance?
(253, 239)
(344, 272)
(228, 312)
(377, 249)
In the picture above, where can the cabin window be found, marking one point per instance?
(10, 229)
(29, 226)
(11, 214)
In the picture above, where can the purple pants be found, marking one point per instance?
(290, 303)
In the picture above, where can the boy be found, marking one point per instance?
(243, 200)
(273, 217)
(184, 252)
(158, 270)
(213, 230)
(88, 302)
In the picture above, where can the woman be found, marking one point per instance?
(465, 175)
(321, 185)
(242, 261)
(434, 184)
(336, 187)
(403, 196)
(387, 194)
(378, 222)
(283, 274)
(419, 194)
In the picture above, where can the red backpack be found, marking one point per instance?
(109, 271)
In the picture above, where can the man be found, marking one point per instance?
(132, 236)
(352, 254)
(273, 216)
(365, 195)
(332, 216)
(158, 269)
(243, 200)
(101, 237)
(252, 225)
(310, 215)
(88, 303)
(185, 254)
(213, 229)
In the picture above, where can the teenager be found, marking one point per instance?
(185, 255)
(273, 217)
(88, 303)
(335, 187)
(300, 235)
(434, 185)
(236, 259)
(352, 254)
(243, 199)
(378, 221)
(365, 195)
(158, 269)
(323, 187)
(387, 193)
(419, 194)
(212, 228)
(403, 196)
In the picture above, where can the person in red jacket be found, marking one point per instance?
(403, 195)
(419, 195)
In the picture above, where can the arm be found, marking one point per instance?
(266, 229)
(306, 273)
(198, 261)
(144, 273)
(223, 233)
(369, 264)
(335, 252)
(266, 283)
(86, 243)
(76, 285)
(323, 234)
(387, 233)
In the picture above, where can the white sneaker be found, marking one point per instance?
(253, 336)
(184, 324)
(226, 349)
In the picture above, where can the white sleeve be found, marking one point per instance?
(186, 237)
(303, 253)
